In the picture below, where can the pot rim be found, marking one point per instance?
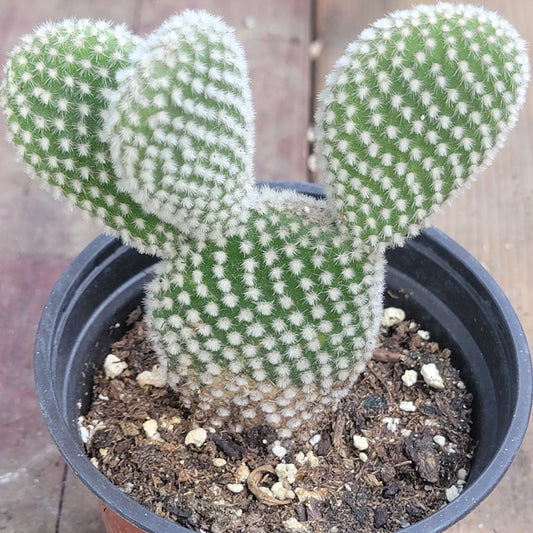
(71, 448)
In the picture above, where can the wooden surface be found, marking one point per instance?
(38, 236)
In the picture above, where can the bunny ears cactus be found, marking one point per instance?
(267, 304)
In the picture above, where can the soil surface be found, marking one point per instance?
(396, 451)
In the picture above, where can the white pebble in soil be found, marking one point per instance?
(156, 377)
(452, 493)
(410, 377)
(424, 335)
(196, 437)
(235, 487)
(286, 472)
(432, 376)
(278, 450)
(113, 366)
(150, 428)
(407, 407)
(392, 316)
(312, 459)
(280, 492)
(439, 440)
(315, 439)
(360, 442)
(392, 423)
(242, 473)
(292, 525)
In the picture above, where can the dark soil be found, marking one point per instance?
(400, 479)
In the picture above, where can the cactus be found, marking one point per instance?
(414, 110)
(267, 303)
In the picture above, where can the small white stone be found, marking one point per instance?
(432, 376)
(408, 407)
(312, 459)
(113, 366)
(452, 493)
(219, 462)
(278, 450)
(235, 487)
(85, 433)
(392, 423)
(242, 473)
(410, 377)
(392, 316)
(292, 525)
(360, 442)
(439, 440)
(451, 448)
(363, 457)
(461, 385)
(155, 377)
(150, 428)
(462, 474)
(286, 472)
(281, 493)
(127, 488)
(406, 433)
(305, 495)
(197, 437)
(315, 439)
(424, 335)
(300, 458)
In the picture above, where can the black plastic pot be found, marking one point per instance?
(437, 283)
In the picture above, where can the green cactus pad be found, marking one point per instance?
(181, 125)
(414, 109)
(54, 97)
(289, 306)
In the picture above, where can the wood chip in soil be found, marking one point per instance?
(414, 453)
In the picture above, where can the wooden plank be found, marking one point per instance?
(39, 236)
(78, 512)
(493, 221)
(30, 465)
